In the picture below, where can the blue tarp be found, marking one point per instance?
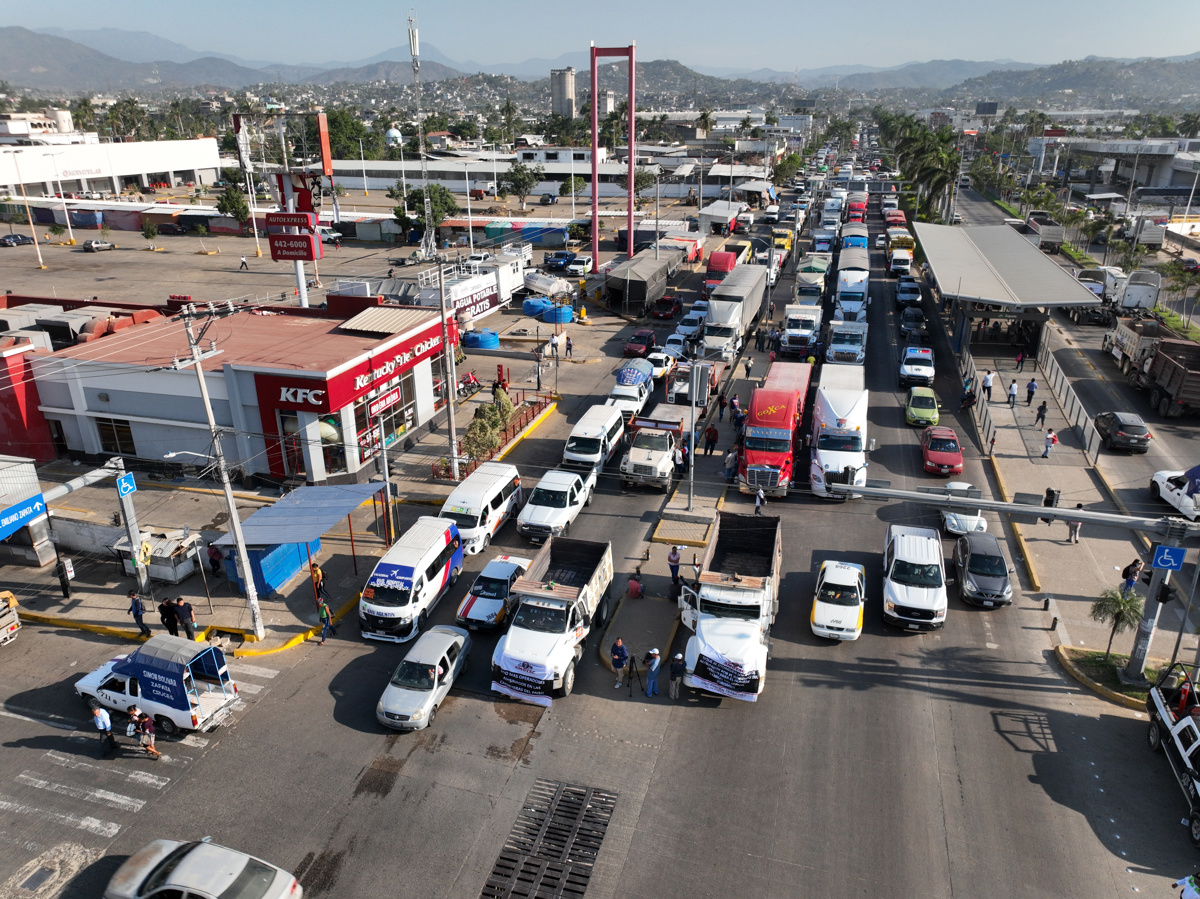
(634, 372)
(159, 665)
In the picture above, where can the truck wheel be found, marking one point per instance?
(1194, 828)
(1155, 396)
(568, 683)
(166, 726)
(1164, 406)
(1154, 735)
(1155, 492)
(602, 613)
(454, 576)
(422, 622)
(588, 501)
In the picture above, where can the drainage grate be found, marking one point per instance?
(552, 848)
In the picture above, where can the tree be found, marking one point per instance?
(510, 115)
(481, 440)
(84, 114)
(149, 230)
(745, 124)
(1120, 609)
(642, 179)
(521, 180)
(1189, 125)
(441, 205)
(233, 204)
(573, 186)
(465, 129)
(345, 131)
(706, 120)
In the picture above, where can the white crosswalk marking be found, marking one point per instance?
(87, 794)
(167, 759)
(27, 715)
(252, 689)
(142, 778)
(91, 825)
(253, 671)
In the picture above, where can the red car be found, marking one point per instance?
(941, 451)
(640, 344)
(667, 307)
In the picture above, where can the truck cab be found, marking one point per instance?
(1174, 731)
(838, 443)
(651, 456)
(847, 343)
(801, 326)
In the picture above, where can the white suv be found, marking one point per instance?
(914, 579)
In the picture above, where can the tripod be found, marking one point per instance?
(633, 672)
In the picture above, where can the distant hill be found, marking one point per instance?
(1094, 80)
(395, 71)
(938, 74)
(142, 46)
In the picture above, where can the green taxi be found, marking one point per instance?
(922, 407)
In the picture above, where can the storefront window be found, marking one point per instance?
(115, 436)
(398, 397)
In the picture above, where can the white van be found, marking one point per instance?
(594, 439)
(480, 505)
(409, 580)
(328, 235)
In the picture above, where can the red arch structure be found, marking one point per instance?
(597, 53)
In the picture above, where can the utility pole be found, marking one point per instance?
(428, 239)
(450, 379)
(141, 569)
(692, 435)
(1135, 670)
(188, 314)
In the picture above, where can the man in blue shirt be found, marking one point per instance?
(653, 664)
(620, 658)
(104, 724)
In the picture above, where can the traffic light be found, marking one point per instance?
(1166, 592)
(1050, 501)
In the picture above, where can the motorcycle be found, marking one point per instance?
(468, 385)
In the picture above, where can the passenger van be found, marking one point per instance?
(480, 505)
(409, 580)
(595, 439)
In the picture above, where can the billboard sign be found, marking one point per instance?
(295, 247)
(305, 220)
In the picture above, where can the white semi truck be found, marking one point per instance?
(838, 443)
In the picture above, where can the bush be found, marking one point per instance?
(56, 229)
(480, 441)
(490, 415)
(504, 408)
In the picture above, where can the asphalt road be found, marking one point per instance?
(954, 763)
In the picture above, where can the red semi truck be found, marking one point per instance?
(772, 437)
(720, 264)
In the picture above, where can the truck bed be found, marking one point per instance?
(564, 562)
(1176, 368)
(744, 545)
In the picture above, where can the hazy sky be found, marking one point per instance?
(781, 36)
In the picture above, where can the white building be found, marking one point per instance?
(562, 92)
(107, 167)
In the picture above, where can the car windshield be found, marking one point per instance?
(838, 595)
(913, 315)
(252, 883)
(987, 566)
(555, 499)
(691, 321)
(651, 441)
(585, 446)
(541, 618)
(799, 324)
(840, 443)
(747, 612)
(912, 575)
(767, 444)
(413, 675)
(465, 520)
(943, 445)
(923, 402)
(387, 597)
(490, 587)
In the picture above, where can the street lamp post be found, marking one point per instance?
(63, 194)
(28, 214)
(362, 157)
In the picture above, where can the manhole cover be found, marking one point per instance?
(36, 879)
(553, 846)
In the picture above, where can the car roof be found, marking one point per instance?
(504, 566)
(841, 572)
(643, 332)
(923, 352)
(911, 547)
(433, 643)
(920, 391)
(1128, 418)
(208, 869)
(557, 478)
(983, 542)
(941, 431)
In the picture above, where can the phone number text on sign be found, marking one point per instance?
(290, 247)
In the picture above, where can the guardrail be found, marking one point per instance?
(1077, 416)
(531, 407)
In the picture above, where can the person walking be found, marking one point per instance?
(166, 614)
(244, 266)
(711, 435)
(1073, 527)
(1130, 574)
(758, 339)
(721, 401)
(215, 558)
(653, 664)
(735, 405)
(759, 499)
(731, 460)
(391, 271)
(146, 735)
(570, 346)
(675, 675)
(318, 576)
(749, 366)
(1041, 415)
(1012, 394)
(771, 306)
(988, 380)
(1030, 390)
(1021, 361)
(326, 619)
(103, 723)
(620, 656)
(679, 468)
(673, 564)
(137, 609)
(187, 618)
(554, 345)
(1051, 440)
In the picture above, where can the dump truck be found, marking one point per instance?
(731, 606)
(1133, 340)
(564, 595)
(1044, 232)
(1172, 375)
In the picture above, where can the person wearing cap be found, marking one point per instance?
(676, 675)
(653, 664)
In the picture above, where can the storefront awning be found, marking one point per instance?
(304, 515)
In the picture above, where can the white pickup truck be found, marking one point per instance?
(1174, 710)
(563, 596)
(555, 502)
(914, 579)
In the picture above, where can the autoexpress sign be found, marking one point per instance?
(21, 514)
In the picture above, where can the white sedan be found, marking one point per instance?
(676, 346)
(958, 522)
(1172, 486)
(198, 869)
(837, 609)
(419, 685)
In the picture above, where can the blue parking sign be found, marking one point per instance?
(1167, 558)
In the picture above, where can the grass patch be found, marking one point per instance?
(1177, 323)
(1092, 664)
(1076, 256)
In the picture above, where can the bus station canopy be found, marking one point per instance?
(997, 265)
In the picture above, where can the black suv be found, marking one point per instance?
(1123, 430)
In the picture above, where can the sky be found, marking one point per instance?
(700, 32)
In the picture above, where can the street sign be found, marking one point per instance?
(1167, 558)
(69, 568)
(126, 485)
(20, 514)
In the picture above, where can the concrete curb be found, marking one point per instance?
(612, 622)
(1099, 689)
(527, 430)
(1112, 494)
(302, 637)
(1034, 580)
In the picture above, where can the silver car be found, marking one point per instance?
(199, 869)
(420, 683)
(983, 573)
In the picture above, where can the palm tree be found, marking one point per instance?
(1118, 608)
(84, 114)
(745, 124)
(510, 114)
(706, 120)
(1189, 125)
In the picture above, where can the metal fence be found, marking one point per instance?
(531, 408)
(1077, 416)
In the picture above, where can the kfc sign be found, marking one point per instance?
(302, 396)
(387, 370)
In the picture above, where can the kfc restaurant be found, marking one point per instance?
(302, 396)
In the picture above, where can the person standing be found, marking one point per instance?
(166, 614)
(243, 266)
(146, 732)
(1130, 574)
(187, 618)
(1021, 361)
(1073, 527)
(1041, 415)
(679, 467)
(318, 575)
(391, 271)
(988, 379)
(1051, 440)
(731, 460)
(137, 609)
(673, 564)
(570, 346)
(326, 619)
(1012, 394)
(675, 675)
(749, 363)
(759, 500)
(711, 435)
(653, 664)
(104, 724)
(721, 401)
(554, 345)
(620, 656)
(771, 306)
(1030, 390)
(215, 557)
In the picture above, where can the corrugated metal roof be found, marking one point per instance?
(995, 264)
(303, 515)
(389, 319)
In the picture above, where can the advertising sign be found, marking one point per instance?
(723, 676)
(293, 247)
(304, 220)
